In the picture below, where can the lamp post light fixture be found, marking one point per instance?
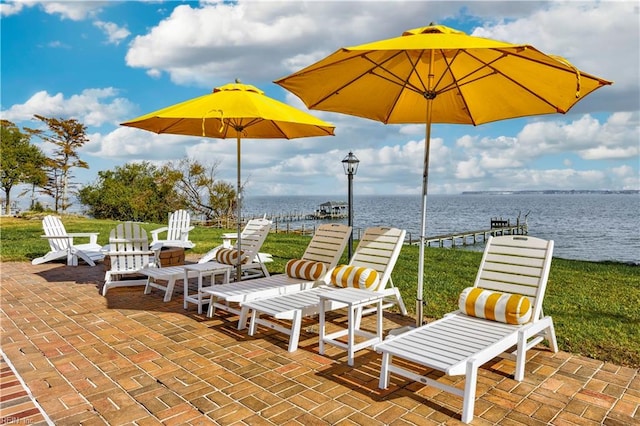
(350, 165)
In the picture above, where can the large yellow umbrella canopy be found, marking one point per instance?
(237, 111)
(437, 74)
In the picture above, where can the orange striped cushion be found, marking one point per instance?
(495, 306)
(306, 269)
(228, 256)
(354, 276)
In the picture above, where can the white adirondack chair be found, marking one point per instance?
(253, 236)
(129, 254)
(177, 231)
(62, 244)
(459, 344)
(229, 241)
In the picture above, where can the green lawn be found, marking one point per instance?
(595, 306)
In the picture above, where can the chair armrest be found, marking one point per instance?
(117, 253)
(93, 236)
(185, 233)
(155, 232)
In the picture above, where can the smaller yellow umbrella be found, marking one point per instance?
(238, 111)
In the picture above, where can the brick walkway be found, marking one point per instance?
(131, 359)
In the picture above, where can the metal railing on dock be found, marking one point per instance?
(283, 224)
(472, 237)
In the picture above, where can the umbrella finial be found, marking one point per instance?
(238, 81)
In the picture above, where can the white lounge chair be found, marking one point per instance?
(459, 344)
(177, 231)
(378, 249)
(253, 237)
(62, 244)
(129, 254)
(326, 246)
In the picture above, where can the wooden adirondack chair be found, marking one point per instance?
(62, 244)
(129, 254)
(177, 231)
(253, 236)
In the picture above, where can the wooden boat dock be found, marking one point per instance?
(498, 227)
(330, 210)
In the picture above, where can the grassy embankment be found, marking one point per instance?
(595, 306)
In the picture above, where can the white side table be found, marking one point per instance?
(355, 299)
(210, 269)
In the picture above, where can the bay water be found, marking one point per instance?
(584, 226)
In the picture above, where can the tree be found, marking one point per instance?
(68, 135)
(135, 191)
(202, 192)
(20, 162)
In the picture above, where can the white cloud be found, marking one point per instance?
(92, 107)
(262, 40)
(598, 37)
(75, 10)
(13, 8)
(58, 44)
(115, 34)
(591, 139)
(469, 169)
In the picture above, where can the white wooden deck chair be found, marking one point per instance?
(177, 231)
(257, 230)
(327, 245)
(62, 244)
(378, 249)
(253, 236)
(459, 344)
(129, 254)
(228, 241)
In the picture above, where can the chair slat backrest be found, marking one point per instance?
(53, 227)
(253, 236)
(517, 264)
(327, 244)
(379, 248)
(179, 222)
(129, 247)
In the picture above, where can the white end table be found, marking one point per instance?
(354, 299)
(202, 270)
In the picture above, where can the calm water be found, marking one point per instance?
(592, 227)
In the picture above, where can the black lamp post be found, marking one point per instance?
(350, 165)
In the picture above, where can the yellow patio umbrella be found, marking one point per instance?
(237, 111)
(437, 74)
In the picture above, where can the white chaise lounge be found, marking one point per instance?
(512, 276)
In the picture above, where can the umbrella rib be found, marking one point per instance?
(526, 89)
(371, 70)
(170, 125)
(403, 83)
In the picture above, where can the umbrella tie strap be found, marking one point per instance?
(576, 70)
(221, 121)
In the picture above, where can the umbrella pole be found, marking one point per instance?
(423, 236)
(238, 214)
(429, 96)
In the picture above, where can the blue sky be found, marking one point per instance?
(104, 63)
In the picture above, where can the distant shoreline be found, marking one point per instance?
(553, 191)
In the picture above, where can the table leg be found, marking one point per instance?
(321, 329)
(351, 334)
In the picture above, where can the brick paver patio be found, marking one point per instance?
(128, 358)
